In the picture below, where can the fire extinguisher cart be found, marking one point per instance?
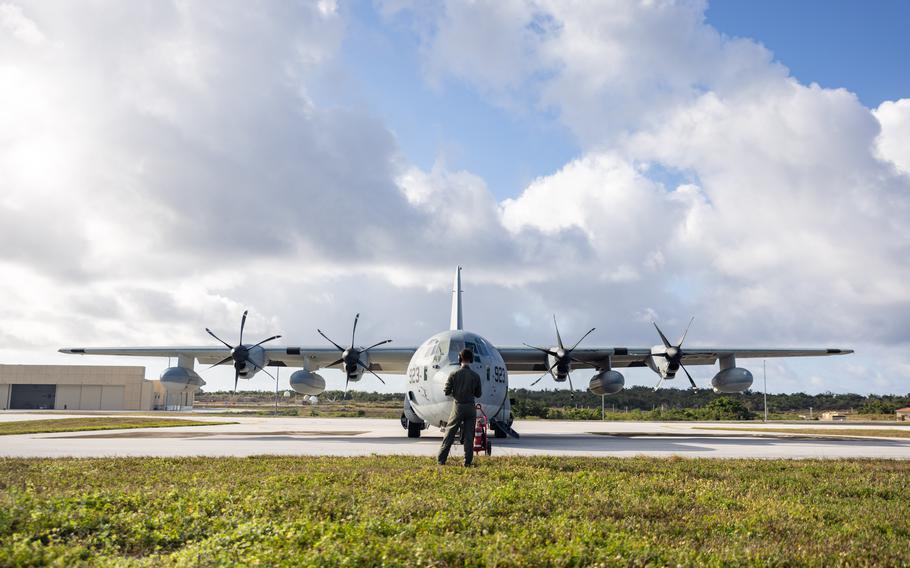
(481, 441)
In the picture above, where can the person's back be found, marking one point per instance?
(464, 386)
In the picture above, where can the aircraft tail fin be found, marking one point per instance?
(457, 323)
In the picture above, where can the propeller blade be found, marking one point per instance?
(541, 349)
(339, 347)
(336, 362)
(236, 378)
(225, 343)
(222, 362)
(692, 382)
(265, 340)
(242, 325)
(660, 382)
(354, 331)
(549, 372)
(540, 378)
(376, 345)
(253, 363)
(580, 340)
(359, 362)
(344, 395)
(571, 388)
(558, 337)
(663, 337)
(683, 338)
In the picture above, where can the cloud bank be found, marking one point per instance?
(166, 165)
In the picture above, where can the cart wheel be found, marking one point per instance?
(489, 447)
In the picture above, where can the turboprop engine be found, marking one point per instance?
(732, 380)
(607, 382)
(307, 382)
(181, 379)
(560, 359)
(247, 359)
(354, 360)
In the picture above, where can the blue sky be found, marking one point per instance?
(448, 121)
(859, 45)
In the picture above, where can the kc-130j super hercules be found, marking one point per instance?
(429, 365)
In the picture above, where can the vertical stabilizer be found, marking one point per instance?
(456, 323)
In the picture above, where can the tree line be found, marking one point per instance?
(636, 398)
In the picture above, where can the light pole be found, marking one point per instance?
(764, 375)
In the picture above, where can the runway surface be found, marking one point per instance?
(361, 436)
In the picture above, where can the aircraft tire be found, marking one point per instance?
(414, 429)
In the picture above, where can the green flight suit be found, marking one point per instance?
(464, 386)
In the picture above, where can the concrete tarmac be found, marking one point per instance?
(364, 436)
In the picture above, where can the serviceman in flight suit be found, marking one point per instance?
(464, 386)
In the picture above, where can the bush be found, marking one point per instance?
(877, 406)
(725, 408)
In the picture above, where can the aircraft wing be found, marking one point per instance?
(389, 360)
(525, 360)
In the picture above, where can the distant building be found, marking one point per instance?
(902, 414)
(85, 387)
(834, 416)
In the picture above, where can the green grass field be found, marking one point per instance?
(94, 423)
(558, 511)
(834, 431)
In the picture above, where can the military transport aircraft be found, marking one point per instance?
(428, 366)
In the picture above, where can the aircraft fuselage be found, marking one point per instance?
(437, 358)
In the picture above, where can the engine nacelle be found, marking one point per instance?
(732, 380)
(307, 382)
(181, 379)
(607, 382)
(559, 372)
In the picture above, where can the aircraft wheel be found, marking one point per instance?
(489, 448)
(414, 430)
(499, 433)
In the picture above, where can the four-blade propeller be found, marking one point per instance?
(241, 353)
(674, 355)
(562, 357)
(350, 356)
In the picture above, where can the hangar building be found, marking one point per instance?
(90, 387)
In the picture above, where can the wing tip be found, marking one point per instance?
(72, 350)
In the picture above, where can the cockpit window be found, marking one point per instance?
(455, 347)
(426, 348)
(437, 351)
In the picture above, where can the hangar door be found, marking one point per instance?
(32, 396)
(112, 397)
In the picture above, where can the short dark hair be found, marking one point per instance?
(466, 355)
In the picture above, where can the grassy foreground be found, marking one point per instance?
(405, 511)
(95, 423)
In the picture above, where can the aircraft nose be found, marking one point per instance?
(442, 375)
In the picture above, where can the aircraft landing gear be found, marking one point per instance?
(413, 428)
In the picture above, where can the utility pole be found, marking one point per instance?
(764, 374)
(277, 374)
